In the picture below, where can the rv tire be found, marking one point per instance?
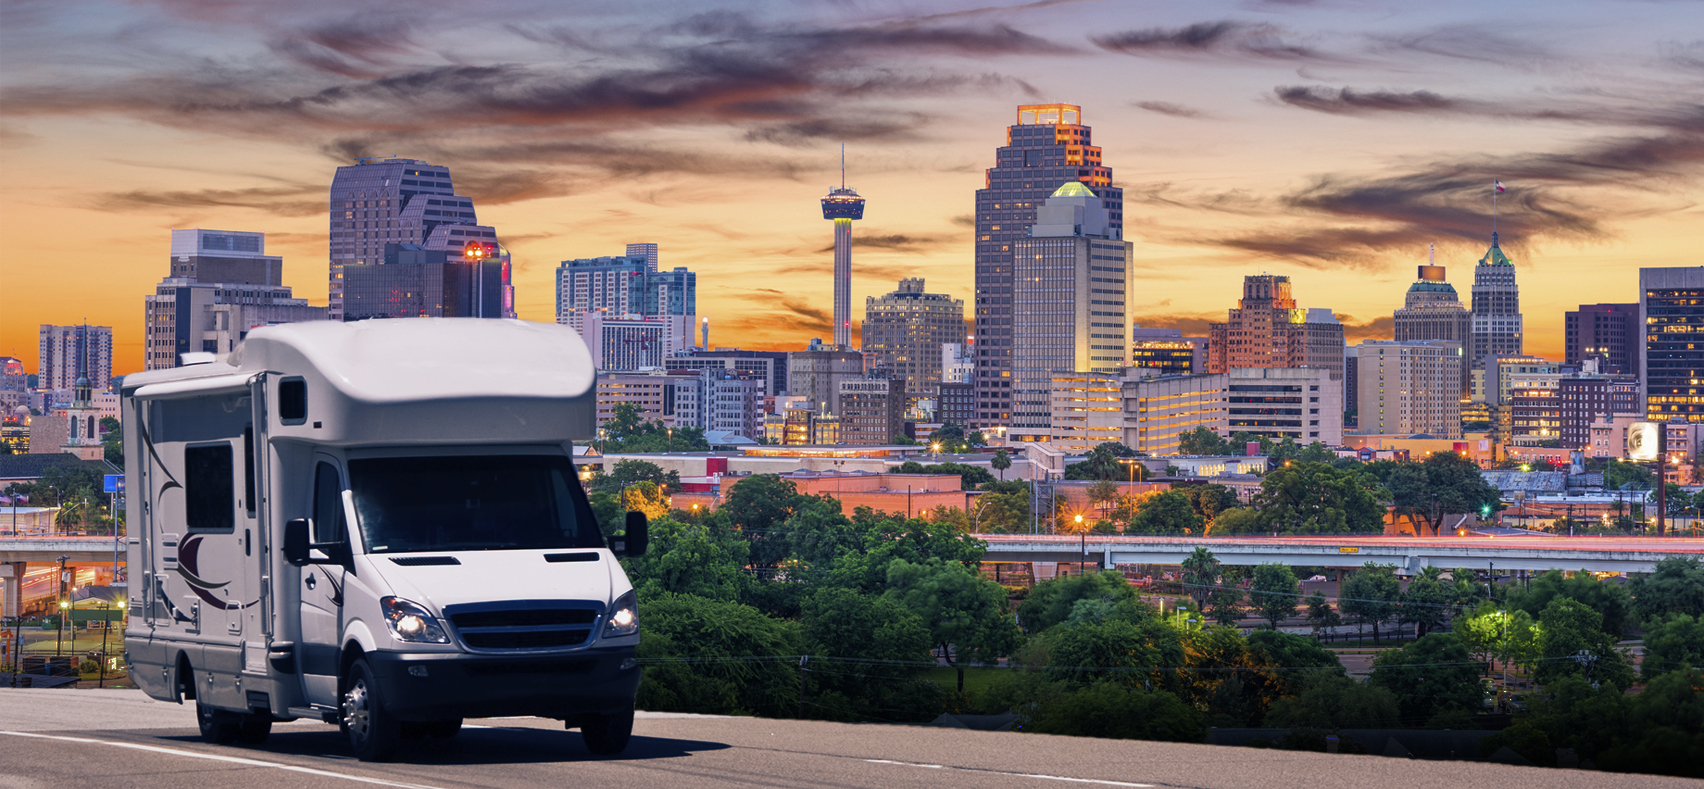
(373, 731)
(217, 726)
(607, 735)
(254, 728)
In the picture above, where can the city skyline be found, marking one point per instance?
(1327, 144)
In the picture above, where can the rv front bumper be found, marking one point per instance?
(432, 686)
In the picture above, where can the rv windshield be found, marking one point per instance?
(471, 503)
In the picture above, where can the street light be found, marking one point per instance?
(1083, 542)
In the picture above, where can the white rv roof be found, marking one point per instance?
(399, 360)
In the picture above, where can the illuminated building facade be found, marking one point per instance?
(1267, 329)
(1048, 146)
(904, 332)
(1432, 311)
(817, 372)
(872, 410)
(417, 282)
(1071, 296)
(1608, 333)
(1168, 351)
(1671, 309)
(625, 286)
(1304, 404)
(1496, 329)
(1144, 411)
(1406, 387)
(380, 201)
(66, 350)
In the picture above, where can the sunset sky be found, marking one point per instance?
(1330, 141)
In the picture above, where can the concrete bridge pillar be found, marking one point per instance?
(12, 590)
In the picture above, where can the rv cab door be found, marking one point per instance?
(322, 586)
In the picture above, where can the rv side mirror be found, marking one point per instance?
(296, 542)
(638, 533)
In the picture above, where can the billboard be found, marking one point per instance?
(1645, 441)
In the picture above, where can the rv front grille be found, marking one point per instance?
(524, 628)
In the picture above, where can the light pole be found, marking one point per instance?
(1083, 543)
(59, 634)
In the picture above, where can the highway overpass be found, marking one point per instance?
(77, 550)
(1409, 554)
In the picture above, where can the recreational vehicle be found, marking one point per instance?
(379, 525)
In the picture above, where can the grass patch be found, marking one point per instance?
(976, 678)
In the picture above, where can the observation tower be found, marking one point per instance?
(843, 205)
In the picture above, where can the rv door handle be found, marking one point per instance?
(311, 582)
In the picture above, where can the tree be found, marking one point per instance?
(1435, 674)
(1571, 640)
(1328, 700)
(628, 431)
(1003, 508)
(965, 614)
(970, 477)
(1317, 498)
(1675, 586)
(1274, 595)
(1675, 642)
(1224, 605)
(1110, 709)
(692, 559)
(759, 505)
(1166, 513)
(1102, 494)
(1200, 573)
(1001, 462)
(1202, 442)
(867, 652)
(112, 441)
(1444, 482)
(684, 637)
(1050, 602)
(646, 497)
(1627, 475)
(1114, 649)
(1609, 600)
(1237, 520)
(1370, 595)
(1427, 601)
(628, 472)
(1320, 613)
(1102, 463)
(1210, 500)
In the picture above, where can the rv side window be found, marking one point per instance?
(208, 479)
(293, 401)
(328, 505)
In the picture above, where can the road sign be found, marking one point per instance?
(114, 483)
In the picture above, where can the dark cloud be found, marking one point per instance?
(1381, 328)
(1225, 39)
(1192, 324)
(353, 48)
(1459, 42)
(1168, 108)
(283, 201)
(1351, 102)
(965, 220)
(897, 242)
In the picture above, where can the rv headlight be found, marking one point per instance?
(623, 616)
(411, 622)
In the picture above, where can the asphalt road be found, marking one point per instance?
(112, 738)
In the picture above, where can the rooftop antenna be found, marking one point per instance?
(1431, 254)
(843, 165)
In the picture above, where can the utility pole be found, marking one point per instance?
(59, 634)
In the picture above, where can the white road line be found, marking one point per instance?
(216, 758)
(1094, 781)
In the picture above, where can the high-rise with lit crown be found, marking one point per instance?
(380, 201)
(1496, 308)
(1048, 146)
(843, 205)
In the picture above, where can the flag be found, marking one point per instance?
(1498, 185)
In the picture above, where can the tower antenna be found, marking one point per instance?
(843, 165)
(1431, 254)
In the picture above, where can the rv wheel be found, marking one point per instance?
(254, 728)
(373, 731)
(607, 735)
(217, 726)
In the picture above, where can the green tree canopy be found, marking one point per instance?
(1050, 602)
(1675, 586)
(1209, 500)
(1317, 498)
(683, 633)
(1444, 482)
(1428, 602)
(1200, 575)
(1608, 599)
(1435, 674)
(1571, 640)
(1328, 700)
(1203, 442)
(965, 614)
(1102, 462)
(1674, 642)
(970, 476)
(1001, 462)
(1118, 711)
(1166, 513)
(629, 431)
(1370, 595)
(1275, 593)
(694, 559)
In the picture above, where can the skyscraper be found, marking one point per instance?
(1433, 311)
(1071, 294)
(1608, 333)
(843, 205)
(1671, 308)
(647, 251)
(903, 334)
(629, 288)
(1267, 329)
(379, 201)
(222, 284)
(1048, 146)
(414, 282)
(1496, 327)
(66, 350)
(1409, 386)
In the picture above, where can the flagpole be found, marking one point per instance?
(1494, 206)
